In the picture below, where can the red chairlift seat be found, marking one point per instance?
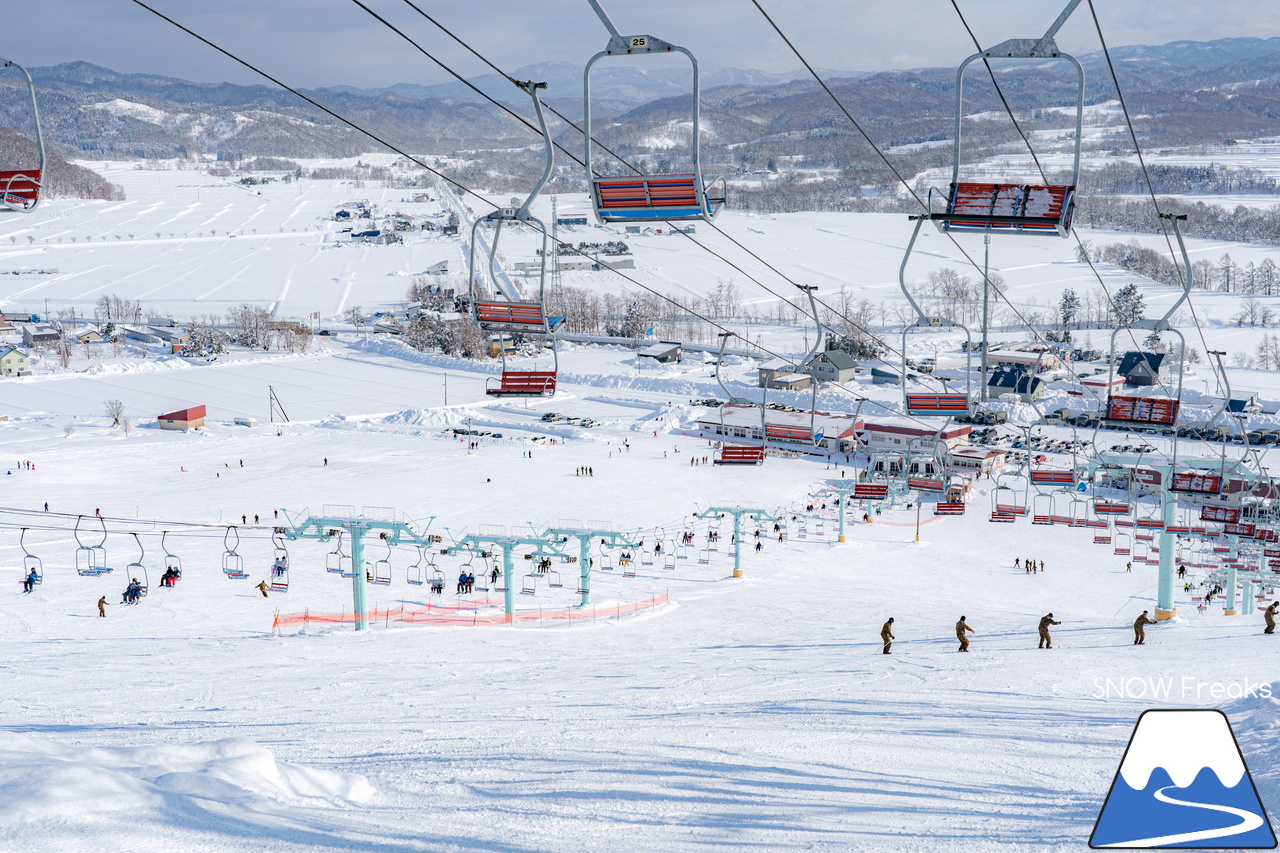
(739, 455)
(518, 316)
(1052, 477)
(937, 404)
(1017, 208)
(654, 198)
(949, 508)
(523, 383)
(20, 188)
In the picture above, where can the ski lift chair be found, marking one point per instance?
(946, 404)
(20, 188)
(414, 571)
(649, 198)
(382, 568)
(171, 561)
(1011, 207)
(232, 562)
(510, 314)
(30, 562)
(279, 564)
(136, 569)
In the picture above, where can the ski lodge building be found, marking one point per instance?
(893, 433)
(191, 418)
(782, 428)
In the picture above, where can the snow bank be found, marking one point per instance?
(1256, 722)
(42, 779)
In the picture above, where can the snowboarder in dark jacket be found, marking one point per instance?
(1139, 629)
(962, 627)
(1046, 642)
(886, 635)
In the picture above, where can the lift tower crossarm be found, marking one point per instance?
(585, 534)
(543, 545)
(738, 512)
(307, 526)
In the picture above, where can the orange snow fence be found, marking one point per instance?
(465, 613)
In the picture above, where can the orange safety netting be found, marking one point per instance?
(463, 613)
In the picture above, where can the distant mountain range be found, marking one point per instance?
(1186, 92)
(623, 84)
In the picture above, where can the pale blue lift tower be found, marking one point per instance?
(384, 520)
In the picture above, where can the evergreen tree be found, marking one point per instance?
(1068, 307)
(1130, 305)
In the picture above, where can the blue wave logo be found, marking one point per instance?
(1183, 783)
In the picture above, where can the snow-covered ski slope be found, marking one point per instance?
(747, 714)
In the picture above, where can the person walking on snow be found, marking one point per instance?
(262, 588)
(886, 635)
(1046, 642)
(962, 627)
(102, 606)
(1139, 629)
(1017, 562)
(1270, 616)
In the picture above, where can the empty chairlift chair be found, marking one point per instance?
(506, 312)
(91, 560)
(920, 401)
(413, 572)
(337, 561)
(1012, 207)
(381, 574)
(650, 198)
(20, 187)
(232, 562)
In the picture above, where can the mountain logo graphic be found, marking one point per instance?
(1183, 783)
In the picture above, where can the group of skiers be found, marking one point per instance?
(1028, 565)
(1046, 639)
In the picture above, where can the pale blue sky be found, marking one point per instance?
(328, 42)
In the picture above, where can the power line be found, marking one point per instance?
(471, 192)
(885, 159)
(881, 341)
(1044, 177)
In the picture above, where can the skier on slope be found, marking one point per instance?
(1046, 642)
(1139, 629)
(1270, 616)
(886, 635)
(962, 627)
(262, 588)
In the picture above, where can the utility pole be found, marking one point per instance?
(986, 313)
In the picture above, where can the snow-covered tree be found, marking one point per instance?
(1130, 305)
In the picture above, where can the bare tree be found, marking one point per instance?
(68, 430)
(126, 426)
(115, 410)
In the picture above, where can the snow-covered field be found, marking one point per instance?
(747, 714)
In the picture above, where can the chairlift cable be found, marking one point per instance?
(1151, 190)
(1043, 176)
(460, 185)
(1040, 168)
(885, 159)
(885, 344)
